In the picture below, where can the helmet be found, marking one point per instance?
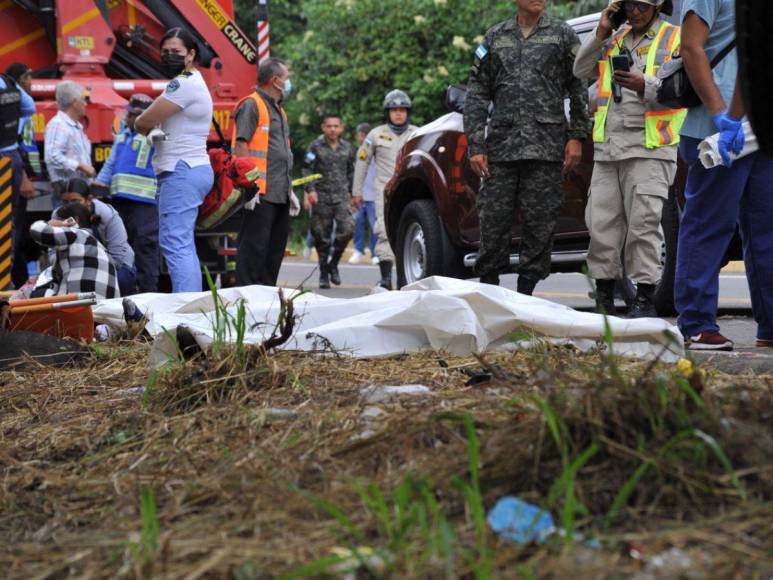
(397, 99)
(666, 6)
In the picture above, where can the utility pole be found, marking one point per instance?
(263, 38)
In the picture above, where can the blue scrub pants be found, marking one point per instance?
(181, 192)
(366, 214)
(716, 200)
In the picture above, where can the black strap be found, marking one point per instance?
(723, 53)
(219, 131)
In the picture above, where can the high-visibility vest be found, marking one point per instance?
(29, 146)
(257, 148)
(133, 176)
(661, 125)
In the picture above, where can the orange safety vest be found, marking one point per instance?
(257, 148)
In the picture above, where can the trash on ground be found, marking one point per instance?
(381, 393)
(515, 520)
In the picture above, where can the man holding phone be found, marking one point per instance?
(635, 148)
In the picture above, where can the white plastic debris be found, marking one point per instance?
(382, 393)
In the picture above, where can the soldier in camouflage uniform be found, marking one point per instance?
(523, 66)
(330, 197)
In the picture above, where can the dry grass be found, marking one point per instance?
(236, 485)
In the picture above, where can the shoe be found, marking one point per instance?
(386, 274)
(709, 341)
(306, 252)
(642, 306)
(324, 272)
(525, 285)
(605, 297)
(374, 260)
(131, 312)
(764, 343)
(492, 279)
(335, 277)
(356, 257)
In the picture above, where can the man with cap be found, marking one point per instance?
(635, 148)
(128, 172)
(382, 145)
(523, 68)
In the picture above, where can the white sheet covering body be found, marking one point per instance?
(437, 313)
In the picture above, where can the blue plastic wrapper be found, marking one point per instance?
(520, 522)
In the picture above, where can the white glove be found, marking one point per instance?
(295, 205)
(155, 135)
(250, 205)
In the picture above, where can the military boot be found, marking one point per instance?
(643, 307)
(605, 297)
(490, 279)
(335, 277)
(324, 272)
(525, 285)
(386, 274)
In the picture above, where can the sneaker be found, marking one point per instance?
(374, 260)
(709, 341)
(764, 343)
(306, 252)
(356, 257)
(131, 312)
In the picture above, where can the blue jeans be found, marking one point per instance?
(127, 279)
(180, 194)
(367, 212)
(716, 200)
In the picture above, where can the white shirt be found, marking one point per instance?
(66, 147)
(186, 131)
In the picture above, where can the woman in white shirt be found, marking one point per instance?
(184, 113)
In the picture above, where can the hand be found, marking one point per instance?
(356, 202)
(605, 25)
(312, 197)
(87, 169)
(295, 204)
(100, 184)
(572, 155)
(27, 190)
(479, 164)
(56, 223)
(633, 80)
(731, 137)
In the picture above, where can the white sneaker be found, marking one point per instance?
(374, 260)
(356, 257)
(306, 252)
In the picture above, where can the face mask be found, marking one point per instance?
(287, 88)
(172, 64)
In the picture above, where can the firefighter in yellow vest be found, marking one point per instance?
(262, 134)
(635, 149)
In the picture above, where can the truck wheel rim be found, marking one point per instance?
(414, 254)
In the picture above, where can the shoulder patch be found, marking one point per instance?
(367, 142)
(172, 86)
(481, 51)
(363, 155)
(311, 156)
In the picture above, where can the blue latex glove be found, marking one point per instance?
(731, 136)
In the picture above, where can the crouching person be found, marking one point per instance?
(635, 148)
(81, 263)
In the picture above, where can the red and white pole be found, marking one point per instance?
(263, 37)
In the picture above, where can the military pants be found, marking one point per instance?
(383, 249)
(534, 189)
(322, 225)
(623, 217)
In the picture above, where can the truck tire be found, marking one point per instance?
(420, 243)
(664, 293)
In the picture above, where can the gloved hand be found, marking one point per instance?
(250, 205)
(155, 135)
(731, 136)
(295, 205)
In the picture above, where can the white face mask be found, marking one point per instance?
(286, 88)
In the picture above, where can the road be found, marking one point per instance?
(569, 289)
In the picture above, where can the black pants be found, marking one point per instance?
(141, 221)
(262, 242)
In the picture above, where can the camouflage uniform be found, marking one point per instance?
(527, 80)
(334, 191)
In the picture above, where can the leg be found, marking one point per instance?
(254, 240)
(496, 206)
(540, 198)
(321, 228)
(383, 249)
(712, 198)
(359, 229)
(127, 280)
(141, 220)
(606, 220)
(370, 211)
(343, 233)
(19, 272)
(755, 218)
(280, 229)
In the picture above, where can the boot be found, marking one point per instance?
(492, 279)
(525, 285)
(643, 306)
(605, 297)
(324, 280)
(386, 274)
(335, 277)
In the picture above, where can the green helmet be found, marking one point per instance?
(397, 99)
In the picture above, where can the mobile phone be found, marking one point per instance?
(618, 18)
(621, 62)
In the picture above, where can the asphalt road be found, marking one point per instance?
(570, 289)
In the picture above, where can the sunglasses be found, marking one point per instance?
(640, 7)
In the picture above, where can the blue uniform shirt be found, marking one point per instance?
(27, 110)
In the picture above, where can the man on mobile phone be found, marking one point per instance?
(635, 148)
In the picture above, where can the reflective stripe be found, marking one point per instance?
(133, 185)
(256, 153)
(228, 205)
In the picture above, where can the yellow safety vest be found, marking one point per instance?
(661, 125)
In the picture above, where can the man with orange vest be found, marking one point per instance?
(635, 148)
(262, 134)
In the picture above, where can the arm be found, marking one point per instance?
(350, 171)
(115, 234)
(155, 114)
(52, 236)
(364, 155)
(476, 103)
(105, 176)
(586, 63)
(695, 33)
(737, 108)
(579, 119)
(55, 145)
(27, 103)
(245, 125)
(309, 190)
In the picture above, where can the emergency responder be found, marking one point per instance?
(30, 156)
(180, 160)
(261, 133)
(330, 197)
(635, 149)
(16, 104)
(382, 145)
(366, 214)
(523, 66)
(128, 172)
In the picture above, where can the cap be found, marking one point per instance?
(138, 102)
